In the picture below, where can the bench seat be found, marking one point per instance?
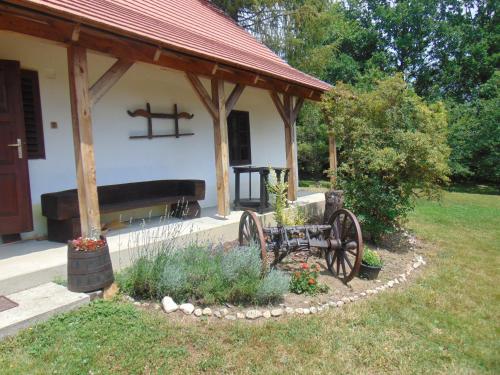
(62, 210)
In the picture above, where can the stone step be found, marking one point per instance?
(37, 305)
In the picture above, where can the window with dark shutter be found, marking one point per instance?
(238, 127)
(32, 114)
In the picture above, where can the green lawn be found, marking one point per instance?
(445, 322)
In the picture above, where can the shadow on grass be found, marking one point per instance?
(475, 189)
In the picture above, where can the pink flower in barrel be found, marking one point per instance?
(88, 244)
(89, 264)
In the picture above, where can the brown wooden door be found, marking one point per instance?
(15, 200)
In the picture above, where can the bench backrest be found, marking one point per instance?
(64, 204)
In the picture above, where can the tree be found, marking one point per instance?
(393, 149)
(475, 135)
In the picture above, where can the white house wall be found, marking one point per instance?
(119, 159)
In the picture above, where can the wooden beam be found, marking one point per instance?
(332, 151)
(290, 148)
(76, 33)
(233, 97)
(129, 47)
(108, 79)
(221, 148)
(296, 109)
(279, 106)
(83, 141)
(204, 96)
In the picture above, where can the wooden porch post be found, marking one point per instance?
(289, 114)
(221, 148)
(83, 141)
(219, 108)
(332, 148)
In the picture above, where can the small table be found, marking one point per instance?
(262, 202)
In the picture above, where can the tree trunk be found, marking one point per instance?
(334, 200)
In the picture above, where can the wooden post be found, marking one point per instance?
(221, 148)
(290, 148)
(332, 148)
(289, 114)
(218, 107)
(83, 141)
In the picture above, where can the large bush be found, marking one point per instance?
(393, 148)
(204, 275)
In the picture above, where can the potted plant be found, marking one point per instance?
(371, 264)
(89, 264)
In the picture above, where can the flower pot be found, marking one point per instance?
(369, 272)
(89, 270)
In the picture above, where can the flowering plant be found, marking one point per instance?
(306, 280)
(88, 244)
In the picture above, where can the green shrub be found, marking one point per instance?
(204, 275)
(393, 148)
(272, 288)
(372, 258)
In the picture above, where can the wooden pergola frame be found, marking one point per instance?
(78, 37)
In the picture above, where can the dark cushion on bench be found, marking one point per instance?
(63, 205)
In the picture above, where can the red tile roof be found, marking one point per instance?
(192, 26)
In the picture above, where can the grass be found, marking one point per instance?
(447, 321)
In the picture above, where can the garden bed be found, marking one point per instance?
(400, 260)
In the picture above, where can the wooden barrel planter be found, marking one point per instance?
(89, 270)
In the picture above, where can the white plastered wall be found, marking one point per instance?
(118, 158)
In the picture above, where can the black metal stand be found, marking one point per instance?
(261, 203)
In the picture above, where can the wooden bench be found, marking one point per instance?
(63, 216)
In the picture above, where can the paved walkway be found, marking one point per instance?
(38, 304)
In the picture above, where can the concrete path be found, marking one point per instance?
(38, 304)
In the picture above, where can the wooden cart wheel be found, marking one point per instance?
(344, 259)
(250, 232)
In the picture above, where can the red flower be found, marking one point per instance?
(311, 281)
(304, 266)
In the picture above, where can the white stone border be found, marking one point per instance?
(169, 306)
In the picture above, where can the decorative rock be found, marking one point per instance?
(230, 317)
(362, 294)
(289, 310)
(299, 310)
(352, 299)
(217, 314)
(307, 311)
(136, 303)
(253, 314)
(416, 265)
(276, 312)
(266, 314)
(332, 303)
(198, 312)
(375, 291)
(346, 300)
(187, 308)
(326, 306)
(369, 291)
(396, 281)
(224, 312)
(169, 305)
(379, 288)
(207, 311)
(240, 315)
(390, 284)
(340, 303)
(313, 310)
